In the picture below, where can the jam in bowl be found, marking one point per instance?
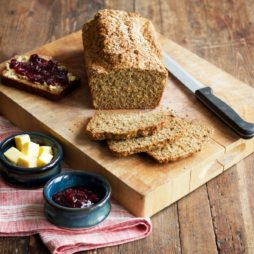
(77, 199)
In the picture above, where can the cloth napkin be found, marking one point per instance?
(21, 214)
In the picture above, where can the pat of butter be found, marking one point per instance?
(44, 159)
(13, 154)
(20, 140)
(45, 149)
(27, 162)
(30, 149)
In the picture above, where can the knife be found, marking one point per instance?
(205, 95)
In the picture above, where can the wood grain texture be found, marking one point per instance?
(165, 237)
(196, 228)
(232, 208)
(221, 32)
(14, 245)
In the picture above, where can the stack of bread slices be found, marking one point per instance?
(161, 135)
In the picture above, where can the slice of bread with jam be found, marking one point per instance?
(40, 75)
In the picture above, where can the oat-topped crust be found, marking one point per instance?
(122, 40)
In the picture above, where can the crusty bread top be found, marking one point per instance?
(171, 131)
(53, 89)
(194, 138)
(117, 125)
(119, 39)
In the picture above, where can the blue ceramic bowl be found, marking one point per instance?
(30, 177)
(76, 218)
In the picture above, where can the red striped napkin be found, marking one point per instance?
(21, 214)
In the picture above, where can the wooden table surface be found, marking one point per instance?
(217, 217)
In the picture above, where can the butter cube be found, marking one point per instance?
(27, 162)
(44, 159)
(45, 149)
(13, 154)
(30, 149)
(20, 140)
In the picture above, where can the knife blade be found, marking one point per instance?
(206, 96)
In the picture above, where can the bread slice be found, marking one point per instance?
(194, 138)
(55, 92)
(173, 129)
(116, 125)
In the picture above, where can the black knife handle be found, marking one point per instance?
(225, 112)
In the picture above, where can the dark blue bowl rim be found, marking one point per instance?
(18, 169)
(83, 173)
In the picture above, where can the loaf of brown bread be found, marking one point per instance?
(123, 61)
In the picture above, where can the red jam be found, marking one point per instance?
(76, 197)
(40, 70)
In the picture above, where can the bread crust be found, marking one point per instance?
(135, 47)
(172, 159)
(23, 85)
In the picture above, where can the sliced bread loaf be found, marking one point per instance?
(123, 61)
(192, 141)
(172, 130)
(115, 125)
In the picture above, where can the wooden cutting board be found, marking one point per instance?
(140, 184)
